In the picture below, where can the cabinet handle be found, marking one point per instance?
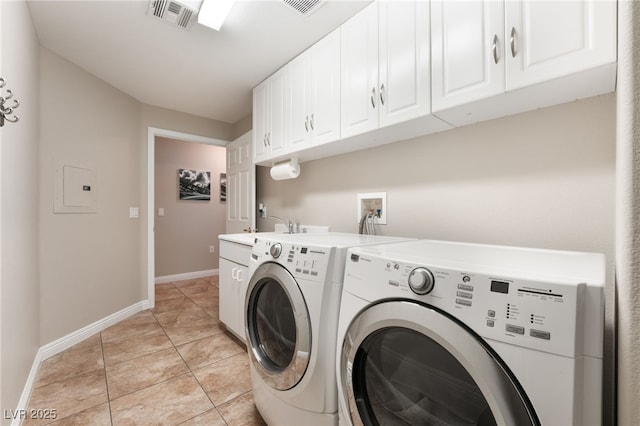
(306, 123)
(513, 40)
(494, 49)
(234, 274)
(382, 94)
(373, 97)
(311, 122)
(269, 138)
(264, 140)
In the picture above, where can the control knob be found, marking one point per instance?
(421, 281)
(276, 250)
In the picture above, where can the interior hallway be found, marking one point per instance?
(172, 365)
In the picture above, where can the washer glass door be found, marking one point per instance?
(407, 364)
(278, 326)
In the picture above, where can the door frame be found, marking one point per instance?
(152, 133)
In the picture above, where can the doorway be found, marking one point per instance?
(152, 134)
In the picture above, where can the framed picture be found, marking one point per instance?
(194, 184)
(223, 187)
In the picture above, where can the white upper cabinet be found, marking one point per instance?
(314, 95)
(549, 39)
(483, 48)
(467, 51)
(359, 72)
(269, 115)
(404, 61)
(385, 73)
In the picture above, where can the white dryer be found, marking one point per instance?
(291, 307)
(434, 332)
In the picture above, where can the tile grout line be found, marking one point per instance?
(189, 367)
(106, 381)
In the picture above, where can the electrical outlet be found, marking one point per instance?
(212, 249)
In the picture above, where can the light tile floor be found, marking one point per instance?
(172, 365)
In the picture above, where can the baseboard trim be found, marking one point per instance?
(63, 343)
(186, 276)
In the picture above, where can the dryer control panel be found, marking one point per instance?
(546, 315)
(302, 261)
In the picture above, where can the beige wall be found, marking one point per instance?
(187, 229)
(540, 179)
(91, 263)
(94, 265)
(19, 289)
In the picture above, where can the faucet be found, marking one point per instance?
(288, 223)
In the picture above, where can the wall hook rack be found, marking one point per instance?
(6, 112)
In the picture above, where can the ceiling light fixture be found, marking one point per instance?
(214, 12)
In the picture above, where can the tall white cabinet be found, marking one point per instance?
(385, 66)
(269, 116)
(314, 94)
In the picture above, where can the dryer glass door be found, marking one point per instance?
(407, 364)
(278, 327)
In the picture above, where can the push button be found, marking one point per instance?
(515, 329)
(464, 294)
(464, 302)
(539, 334)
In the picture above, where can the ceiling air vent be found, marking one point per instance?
(305, 7)
(172, 11)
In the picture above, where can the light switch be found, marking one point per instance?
(160, 211)
(134, 212)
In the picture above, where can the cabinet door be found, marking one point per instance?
(229, 303)
(550, 39)
(260, 120)
(299, 97)
(405, 78)
(359, 73)
(242, 283)
(467, 51)
(324, 115)
(277, 135)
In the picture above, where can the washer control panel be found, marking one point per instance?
(539, 315)
(302, 261)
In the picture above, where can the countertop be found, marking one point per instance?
(244, 238)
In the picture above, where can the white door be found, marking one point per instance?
(546, 40)
(405, 81)
(324, 116)
(240, 186)
(468, 49)
(359, 73)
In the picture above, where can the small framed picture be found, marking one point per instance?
(194, 184)
(223, 187)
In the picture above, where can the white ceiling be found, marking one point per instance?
(199, 71)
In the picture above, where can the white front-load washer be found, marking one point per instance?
(291, 307)
(434, 333)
